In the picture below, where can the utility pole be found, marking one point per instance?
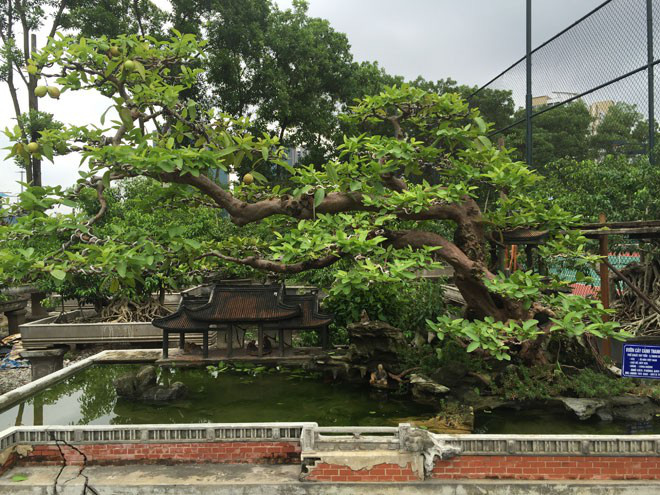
(651, 77)
(528, 102)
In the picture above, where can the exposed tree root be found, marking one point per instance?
(634, 314)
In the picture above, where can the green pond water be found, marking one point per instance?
(89, 398)
(555, 422)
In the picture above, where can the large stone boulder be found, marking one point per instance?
(375, 342)
(146, 378)
(143, 386)
(125, 386)
(165, 394)
(622, 408)
(426, 391)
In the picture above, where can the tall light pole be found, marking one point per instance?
(528, 98)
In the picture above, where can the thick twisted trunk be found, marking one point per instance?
(466, 254)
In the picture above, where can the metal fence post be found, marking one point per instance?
(651, 77)
(604, 251)
(528, 102)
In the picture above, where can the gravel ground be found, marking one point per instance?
(12, 378)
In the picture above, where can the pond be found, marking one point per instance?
(89, 398)
(556, 422)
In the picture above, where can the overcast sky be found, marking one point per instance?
(467, 40)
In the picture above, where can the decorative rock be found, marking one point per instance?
(125, 386)
(623, 408)
(425, 390)
(629, 408)
(165, 394)
(143, 386)
(583, 408)
(375, 342)
(145, 378)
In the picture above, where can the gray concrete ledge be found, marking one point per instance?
(20, 393)
(237, 479)
(145, 434)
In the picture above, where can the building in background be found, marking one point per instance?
(598, 110)
(295, 155)
(553, 99)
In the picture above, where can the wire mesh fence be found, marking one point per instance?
(591, 87)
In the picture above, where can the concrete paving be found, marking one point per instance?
(244, 479)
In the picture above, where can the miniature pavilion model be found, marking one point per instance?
(266, 306)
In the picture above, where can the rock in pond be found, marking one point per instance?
(375, 342)
(623, 408)
(143, 386)
(425, 390)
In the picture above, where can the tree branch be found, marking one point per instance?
(56, 20)
(276, 267)
(243, 213)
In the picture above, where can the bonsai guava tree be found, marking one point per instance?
(417, 186)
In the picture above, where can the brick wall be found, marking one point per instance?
(8, 463)
(502, 467)
(200, 452)
(548, 468)
(322, 471)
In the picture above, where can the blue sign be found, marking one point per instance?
(641, 361)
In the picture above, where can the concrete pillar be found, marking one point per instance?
(37, 311)
(15, 319)
(44, 361)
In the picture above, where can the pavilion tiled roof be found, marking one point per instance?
(309, 318)
(245, 304)
(180, 320)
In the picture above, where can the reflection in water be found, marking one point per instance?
(554, 421)
(19, 416)
(89, 398)
(38, 415)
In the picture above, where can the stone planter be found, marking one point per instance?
(46, 333)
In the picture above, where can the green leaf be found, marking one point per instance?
(19, 477)
(485, 141)
(125, 116)
(472, 347)
(258, 177)
(140, 69)
(193, 243)
(480, 122)
(104, 113)
(319, 196)
(47, 151)
(332, 172)
(121, 269)
(58, 274)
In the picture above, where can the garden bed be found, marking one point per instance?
(64, 330)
